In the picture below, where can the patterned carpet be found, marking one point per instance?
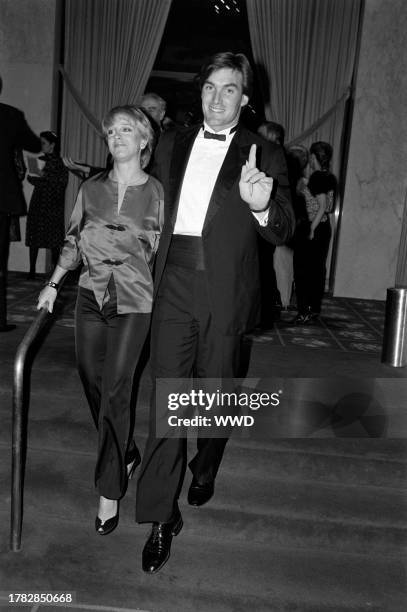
(345, 325)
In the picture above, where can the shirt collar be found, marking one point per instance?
(229, 132)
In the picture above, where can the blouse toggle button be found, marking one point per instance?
(117, 228)
(112, 262)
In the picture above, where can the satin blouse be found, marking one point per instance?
(119, 242)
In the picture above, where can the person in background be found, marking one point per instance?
(313, 236)
(275, 261)
(297, 157)
(272, 131)
(21, 168)
(45, 220)
(14, 134)
(114, 230)
(217, 200)
(155, 107)
(297, 165)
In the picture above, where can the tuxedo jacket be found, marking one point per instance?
(15, 134)
(230, 230)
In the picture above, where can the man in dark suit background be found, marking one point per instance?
(217, 200)
(14, 134)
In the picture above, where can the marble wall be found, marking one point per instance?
(376, 181)
(27, 32)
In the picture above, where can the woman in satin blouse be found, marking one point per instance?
(114, 231)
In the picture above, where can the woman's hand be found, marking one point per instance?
(47, 298)
(72, 165)
(301, 185)
(311, 234)
(75, 167)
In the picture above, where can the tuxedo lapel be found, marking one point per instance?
(182, 149)
(229, 173)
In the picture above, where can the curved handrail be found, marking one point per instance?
(18, 443)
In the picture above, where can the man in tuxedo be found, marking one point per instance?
(14, 134)
(217, 199)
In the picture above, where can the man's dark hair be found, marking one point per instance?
(227, 59)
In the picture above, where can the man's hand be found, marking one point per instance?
(255, 187)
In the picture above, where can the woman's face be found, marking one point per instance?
(46, 146)
(124, 139)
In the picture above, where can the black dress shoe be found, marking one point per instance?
(156, 551)
(199, 494)
(8, 327)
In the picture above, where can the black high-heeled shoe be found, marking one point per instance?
(133, 461)
(131, 468)
(105, 527)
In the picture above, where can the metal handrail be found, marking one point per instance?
(19, 440)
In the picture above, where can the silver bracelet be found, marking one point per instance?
(53, 285)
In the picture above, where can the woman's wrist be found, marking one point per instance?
(52, 285)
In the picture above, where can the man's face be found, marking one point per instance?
(154, 109)
(223, 98)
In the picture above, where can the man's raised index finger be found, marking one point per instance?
(252, 156)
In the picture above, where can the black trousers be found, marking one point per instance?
(184, 342)
(108, 348)
(4, 251)
(310, 266)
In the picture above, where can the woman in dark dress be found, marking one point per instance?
(45, 220)
(314, 234)
(114, 231)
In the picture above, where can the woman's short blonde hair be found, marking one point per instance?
(142, 123)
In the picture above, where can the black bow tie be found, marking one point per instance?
(214, 136)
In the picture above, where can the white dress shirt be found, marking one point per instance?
(205, 161)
